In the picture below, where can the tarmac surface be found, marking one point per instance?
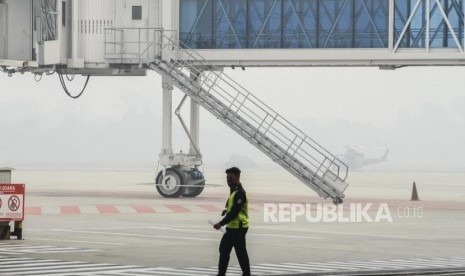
(114, 223)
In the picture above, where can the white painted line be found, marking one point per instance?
(171, 271)
(9, 258)
(420, 263)
(256, 270)
(388, 264)
(11, 253)
(34, 263)
(112, 273)
(312, 266)
(66, 251)
(162, 208)
(10, 245)
(116, 273)
(203, 269)
(361, 265)
(23, 246)
(76, 268)
(136, 235)
(38, 266)
(287, 236)
(184, 226)
(234, 268)
(125, 210)
(281, 267)
(266, 268)
(144, 228)
(179, 229)
(112, 270)
(76, 241)
(339, 233)
(439, 264)
(452, 260)
(455, 258)
(296, 267)
(88, 210)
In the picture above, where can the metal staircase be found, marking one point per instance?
(247, 115)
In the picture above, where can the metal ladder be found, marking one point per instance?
(246, 114)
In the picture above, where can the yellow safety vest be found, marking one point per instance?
(242, 219)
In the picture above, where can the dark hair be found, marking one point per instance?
(234, 170)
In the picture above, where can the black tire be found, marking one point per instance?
(5, 232)
(172, 185)
(337, 201)
(196, 190)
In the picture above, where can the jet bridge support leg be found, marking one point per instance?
(180, 175)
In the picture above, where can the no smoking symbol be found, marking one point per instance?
(14, 203)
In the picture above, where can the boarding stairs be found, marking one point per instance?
(247, 115)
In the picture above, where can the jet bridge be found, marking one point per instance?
(129, 37)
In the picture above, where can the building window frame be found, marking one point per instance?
(136, 12)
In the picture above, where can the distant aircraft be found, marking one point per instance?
(356, 159)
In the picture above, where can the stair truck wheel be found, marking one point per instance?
(194, 178)
(337, 201)
(172, 184)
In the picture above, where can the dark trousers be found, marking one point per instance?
(234, 238)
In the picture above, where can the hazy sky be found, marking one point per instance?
(419, 113)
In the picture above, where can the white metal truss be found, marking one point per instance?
(372, 22)
(426, 26)
(267, 18)
(335, 22)
(407, 25)
(220, 3)
(301, 26)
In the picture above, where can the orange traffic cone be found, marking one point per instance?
(414, 193)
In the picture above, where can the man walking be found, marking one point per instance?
(237, 224)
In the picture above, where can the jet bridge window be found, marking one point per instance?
(136, 12)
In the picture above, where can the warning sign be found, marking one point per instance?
(12, 202)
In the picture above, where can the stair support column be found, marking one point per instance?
(194, 119)
(167, 121)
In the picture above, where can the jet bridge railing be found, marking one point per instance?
(133, 45)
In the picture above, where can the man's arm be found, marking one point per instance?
(239, 201)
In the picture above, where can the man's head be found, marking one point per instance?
(233, 176)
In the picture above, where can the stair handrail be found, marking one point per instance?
(267, 121)
(192, 61)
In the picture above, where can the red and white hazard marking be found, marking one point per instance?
(119, 209)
